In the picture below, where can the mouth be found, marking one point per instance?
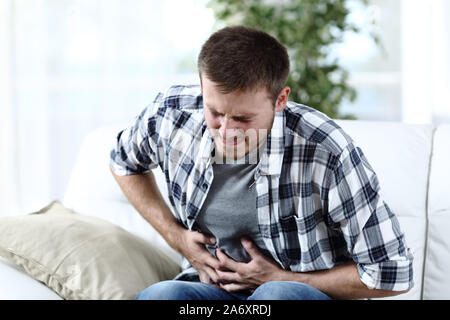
(232, 142)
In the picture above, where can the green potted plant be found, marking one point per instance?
(308, 28)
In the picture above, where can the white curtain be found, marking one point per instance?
(426, 61)
(8, 178)
(68, 67)
(24, 118)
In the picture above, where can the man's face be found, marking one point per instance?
(239, 121)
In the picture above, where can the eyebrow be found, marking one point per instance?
(243, 116)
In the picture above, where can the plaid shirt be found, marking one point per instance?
(318, 199)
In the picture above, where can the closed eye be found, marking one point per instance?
(214, 113)
(241, 119)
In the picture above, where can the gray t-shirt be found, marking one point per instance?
(229, 211)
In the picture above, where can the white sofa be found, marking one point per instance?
(412, 163)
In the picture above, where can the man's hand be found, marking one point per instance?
(235, 276)
(340, 282)
(194, 250)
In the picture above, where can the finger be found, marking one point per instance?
(233, 287)
(204, 278)
(228, 277)
(212, 274)
(211, 261)
(205, 238)
(226, 262)
(250, 247)
(207, 257)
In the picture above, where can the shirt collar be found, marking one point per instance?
(206, 144)
(272, 157)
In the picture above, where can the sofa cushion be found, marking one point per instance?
(400, 155)
(437, 260)
(82, 257)
(17, 285)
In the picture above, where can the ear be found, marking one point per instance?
(282, 99)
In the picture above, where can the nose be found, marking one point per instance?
(227, 128)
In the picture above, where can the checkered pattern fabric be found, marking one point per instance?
(318, 199)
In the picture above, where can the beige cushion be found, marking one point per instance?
(82, 257)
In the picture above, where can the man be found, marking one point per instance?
(271, 199)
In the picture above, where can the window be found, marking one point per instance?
(81, 64)
(375, 72)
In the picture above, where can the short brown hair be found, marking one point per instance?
(244, 58)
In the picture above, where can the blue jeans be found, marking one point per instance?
(189, 290)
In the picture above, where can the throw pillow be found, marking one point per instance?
(82, 257)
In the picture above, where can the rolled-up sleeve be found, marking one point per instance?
(371, 230)
(135, 149)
